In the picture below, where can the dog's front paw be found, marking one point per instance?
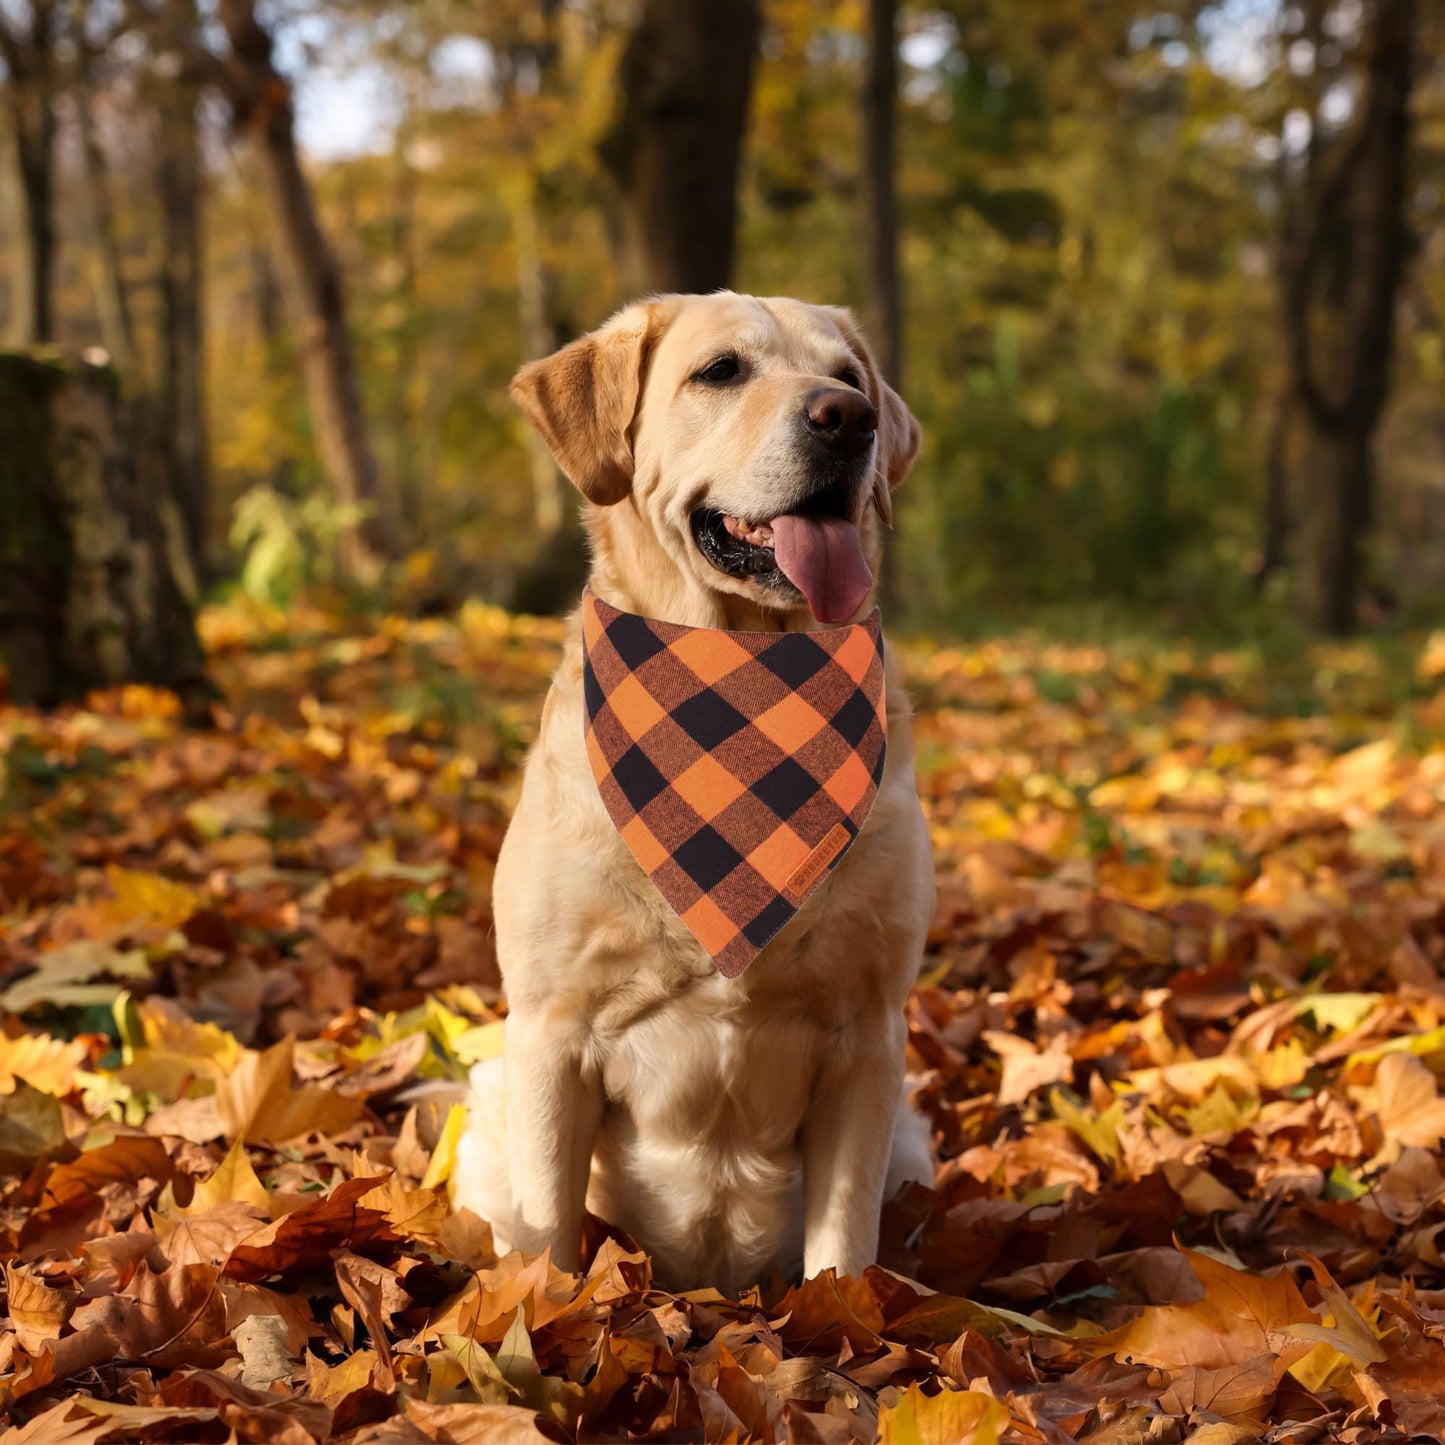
(480, 1179)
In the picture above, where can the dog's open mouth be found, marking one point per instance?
(816, 553)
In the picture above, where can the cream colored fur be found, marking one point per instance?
(727, 1124)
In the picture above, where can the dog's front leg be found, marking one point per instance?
(847, 1137)
(554, 1106)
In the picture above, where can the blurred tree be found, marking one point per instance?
(28, 38)
(530, 69)
(262, 109)
(684, 84)
(181, 406)
(261, 104)
(1342, 274)
(883, 312)
(883, 308)
(112, 297)
(1080, 287)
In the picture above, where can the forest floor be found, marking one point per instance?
(1180, 1034)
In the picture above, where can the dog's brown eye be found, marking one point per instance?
(849, 377)
(725, 368)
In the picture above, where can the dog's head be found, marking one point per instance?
(749, 446)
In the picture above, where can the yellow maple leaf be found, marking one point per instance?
(234, 1178)
(259, 1103)
(954, 1417)
(148, 898)
(45, 1063)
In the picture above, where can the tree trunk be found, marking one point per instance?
(685, 80)
(880, 190)
(311, 283)
(1275, 532)
(34, 314)
(1341, 465)
(182, 352)
(884, 313)
(548, 579)
(29, 97)
(93, 581)
(1342, 277)
(406, 503)
(112, 301)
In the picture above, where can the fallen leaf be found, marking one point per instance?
(1026, 1067)
(1410, 1108)
(308, 1234)
(1241, 1318)
(31, 1127)
(37, 1311)
(259, 1103)
(952, 1417)
(44, 1063)
(263, 1341)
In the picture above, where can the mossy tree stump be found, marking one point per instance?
(95, 585)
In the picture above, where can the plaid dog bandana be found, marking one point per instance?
(738, 766)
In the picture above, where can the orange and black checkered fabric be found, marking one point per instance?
(738, 766)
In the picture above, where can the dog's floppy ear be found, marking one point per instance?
(583, 400)
(899, 435)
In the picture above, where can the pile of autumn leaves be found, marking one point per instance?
(1180, 1035)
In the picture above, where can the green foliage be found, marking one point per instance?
(286, 545)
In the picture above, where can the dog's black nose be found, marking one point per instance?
(840, 417)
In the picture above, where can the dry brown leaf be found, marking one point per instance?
(309, 1233)
(264, 1345)
(476, 1424)
(263, 1416)
(1410, 1108)
(1411, 1375)
(1241, 1318)
(210, 1237)
(485, 1307)
(82, 1420)
(1027, 1068)
(120, 1159)
(37, 1310)
(415, 1213)
(259, 1103)
(165, 1319)
(1232, 1392)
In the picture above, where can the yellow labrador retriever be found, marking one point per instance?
(737, 455)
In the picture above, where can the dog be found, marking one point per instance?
(730, 1126)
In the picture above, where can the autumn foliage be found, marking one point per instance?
(1180, 1034)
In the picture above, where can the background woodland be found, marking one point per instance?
(1163, 281)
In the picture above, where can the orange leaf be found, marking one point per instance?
(308, 1235)
(258, 1102)
(43, 1062)
(37, 1310)
(1241, 1317)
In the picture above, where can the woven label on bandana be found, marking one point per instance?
(738, 766)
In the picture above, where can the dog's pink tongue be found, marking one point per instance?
(823, 558)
